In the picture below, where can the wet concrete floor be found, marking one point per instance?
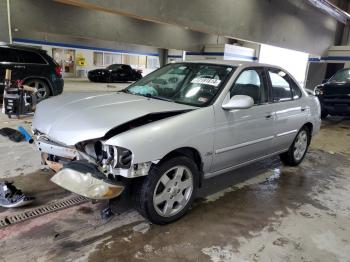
(264, 212)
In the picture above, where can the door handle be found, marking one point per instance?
(268, 116)
(303, 109)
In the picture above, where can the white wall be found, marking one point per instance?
(293, 61)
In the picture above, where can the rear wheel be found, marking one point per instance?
(42, 87)
(297, 151)
(168, 191)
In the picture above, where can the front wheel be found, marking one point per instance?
(168, 191)
(297, 151)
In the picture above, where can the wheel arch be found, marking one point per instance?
(310, 127)
(191, 153)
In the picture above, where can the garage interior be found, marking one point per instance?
(262, 212)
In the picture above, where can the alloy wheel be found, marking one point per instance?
(300, 145)
(41, 87)
(173, 191)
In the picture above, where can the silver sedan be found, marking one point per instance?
(170, 130)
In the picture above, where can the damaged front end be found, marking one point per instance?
(92, 168)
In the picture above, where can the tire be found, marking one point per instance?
(156, 196)
(297, 151)
(42, 86)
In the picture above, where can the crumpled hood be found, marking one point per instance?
(76, 117)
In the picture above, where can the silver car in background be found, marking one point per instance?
(167, 132)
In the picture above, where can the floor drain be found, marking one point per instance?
(42, 210)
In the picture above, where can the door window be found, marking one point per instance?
(8, 55)
(250, 83)
(281, 88)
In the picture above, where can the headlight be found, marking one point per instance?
(82, 182)
(117, 157)
(318, 91)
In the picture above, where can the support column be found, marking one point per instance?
(5, 29)
(163, 56)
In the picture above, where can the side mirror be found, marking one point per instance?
(325, 81)
(239, 102)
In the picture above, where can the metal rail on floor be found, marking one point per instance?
(42, 210)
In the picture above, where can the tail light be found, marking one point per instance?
(58, 71)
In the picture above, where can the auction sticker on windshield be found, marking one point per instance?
(206, 81)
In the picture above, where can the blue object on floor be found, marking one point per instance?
(26, 135)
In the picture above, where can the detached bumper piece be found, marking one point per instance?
(86, 180)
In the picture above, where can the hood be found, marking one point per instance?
(336, 88)
(76, 117)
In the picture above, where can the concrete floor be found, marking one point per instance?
(264, 212)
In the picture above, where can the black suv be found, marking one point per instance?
(34, 67)
(334, 94)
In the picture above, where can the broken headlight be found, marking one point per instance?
(108, 155)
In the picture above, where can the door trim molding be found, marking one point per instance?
(287, 133)
(225, 149)
(228, 169)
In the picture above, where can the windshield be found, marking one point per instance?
(341, 76)
(185, 83)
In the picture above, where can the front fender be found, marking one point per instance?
(153, 141)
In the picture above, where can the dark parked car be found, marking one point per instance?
(334, 94)
(32, 65)
(115, 73)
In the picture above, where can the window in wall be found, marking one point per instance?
(280, 87)
(108, 59)
(117, 59)
(142, 61)
(152, 62)
(98, 58)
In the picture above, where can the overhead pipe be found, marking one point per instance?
(332, 10)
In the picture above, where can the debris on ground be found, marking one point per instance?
(142, 227)
(12, 134)
(26, 135)
(10, 196)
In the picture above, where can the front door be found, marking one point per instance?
(245, 134)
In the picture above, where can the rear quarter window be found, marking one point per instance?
(8, 55)
(29, 57)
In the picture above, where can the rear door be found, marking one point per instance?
(289, 110)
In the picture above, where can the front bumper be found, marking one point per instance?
(86, 180)
(335, 105)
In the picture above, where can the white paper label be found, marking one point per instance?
(206, 81)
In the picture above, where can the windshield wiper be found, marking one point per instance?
(146, 95)
(158, 97)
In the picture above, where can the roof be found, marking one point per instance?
(232, 63)
(23, 47)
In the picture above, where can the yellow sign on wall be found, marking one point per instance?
(81, 61)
